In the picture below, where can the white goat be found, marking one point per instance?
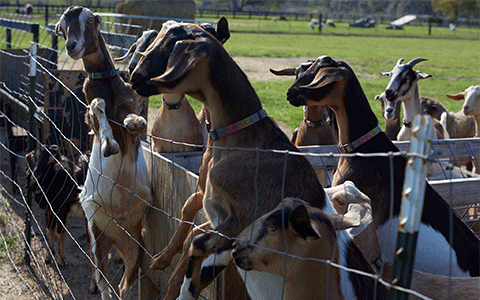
(391, 113)
(116, 193)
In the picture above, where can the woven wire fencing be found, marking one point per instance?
(49, 110)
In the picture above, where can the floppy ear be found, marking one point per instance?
(361, 213)
(340, 222)
(325, 77)
(288, 72)
(185, 55)
(98, 19)
(456, 97)
(300, 221)
(58, 28)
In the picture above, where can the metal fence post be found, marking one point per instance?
(31, 145)
(412, 204)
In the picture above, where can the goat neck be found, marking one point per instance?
(315, 115)
(100, 60)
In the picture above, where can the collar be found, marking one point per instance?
(314, 124)
(104, 75)
(173, 106)
(348, 148)
(407, 124)
(215, 134)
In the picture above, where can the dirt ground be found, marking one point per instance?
(47, 281)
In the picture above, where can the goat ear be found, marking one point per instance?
(98, 19)
(58, 28)
(325, 77)
(223, 33)
(361, 213)
(421, 75)
(301, 223)
(287, 72)
(456, 97)
(342, 222)
(385, 74)
(183, 58)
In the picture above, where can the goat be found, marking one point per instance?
(333, 83)
(353, 203)
(306, 233)
(315, 129)
(115, 200)
(471, 107)
(176, 122)
(55, 184)
(26, 10)
(167, 120)
(186, 59)
(391, 113)
(403, 86)
(458, 125)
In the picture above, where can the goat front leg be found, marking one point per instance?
(109, 144)
(199, 274)
(131, 252)
(163, 259)
(176, 279)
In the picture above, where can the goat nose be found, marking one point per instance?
(389, 110)
(70, 46)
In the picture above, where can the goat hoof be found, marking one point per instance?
(48, 258)
(136, 123)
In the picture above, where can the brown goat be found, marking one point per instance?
(306, 233)
(391, 113)
(55, 181)
(333, 83)
(187, 59)
(116, 193)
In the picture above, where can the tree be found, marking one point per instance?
(239, 5)
(454, 8)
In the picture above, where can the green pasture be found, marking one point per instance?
(453, 63)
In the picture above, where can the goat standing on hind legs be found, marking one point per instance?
(333, 83)
(116, 193)
(192, 61)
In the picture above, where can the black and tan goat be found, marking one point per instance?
(299, 235)
(116, 193)
(333, 83)
(241, 184)
(55, 180)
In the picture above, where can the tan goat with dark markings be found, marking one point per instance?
(116, 193)
(241, 185)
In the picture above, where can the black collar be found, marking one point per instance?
(104, 75)
(315, 124)
(174, 105)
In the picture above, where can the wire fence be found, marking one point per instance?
(48, 108)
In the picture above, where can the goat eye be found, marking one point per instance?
(340, 202)
(90, 20)
(272, 228)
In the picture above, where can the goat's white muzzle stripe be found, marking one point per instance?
(215, 134)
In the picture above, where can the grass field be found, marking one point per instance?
(453, 63)
(453, 57)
